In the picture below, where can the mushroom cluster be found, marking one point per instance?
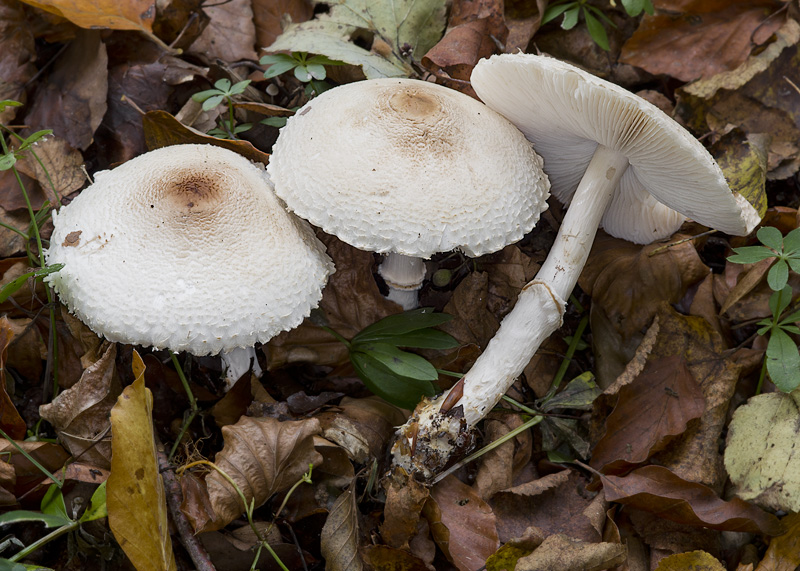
(408, 168)
(621, 163)
(186, 248)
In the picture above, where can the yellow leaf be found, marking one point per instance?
(698, 560)
(137, 506)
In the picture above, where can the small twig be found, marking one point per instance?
(174, 494)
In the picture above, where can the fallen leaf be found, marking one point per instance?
(129, 15)
(18, 57)
(783, 553)
(473, 322)
(499, 466)
(694, 560)
(72, 101)
(562, 553)
(385, 558)
(405, 498)
(743, 160)
(339, 539)
(657, 490)
(462, 524)
(760, 452)
(262, 456)
(410, 26)
(137, 505)
(60, 162)
(7, 481)
(162, 130)
(689, 39)
(650, 412)
(230, 34)
(80, 413)
(270, 15)
(10, 420)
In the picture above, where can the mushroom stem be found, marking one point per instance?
(403, 276)
(536, 315)
(236, 362)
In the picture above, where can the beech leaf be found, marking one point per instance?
(340, 535)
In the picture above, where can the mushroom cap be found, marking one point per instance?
(407, 166)
(566, 112)
(186, 247)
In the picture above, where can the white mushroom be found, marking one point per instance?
(408, 167)
(622, 163)
(186, 248)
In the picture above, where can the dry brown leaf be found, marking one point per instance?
(80, 414)
(650, 412)
(7, 481)
(562, 553)
(350, 302)
(657, 490)
(10, 420)
(27, 350)
(340, 535)
(17, 58)
(28, 475)
(405, 498)
(196, 505)
(385, 558)
(509, 270)
(498, 467)
(230, 34)
(128, 15)
(263, 456)
(783, 553)
(462, 524)
(688, 39)
(162, 130)
(269, 17)
(60, 162)
(363, 427)
(473, 322)
(695, 560)
(72, 101)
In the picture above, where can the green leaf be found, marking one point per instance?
(316, 71)
(778, 275)
(97, 505)
(201, 96)
(9, 103)
(322, 60)
(771, 237)
(794, 263)
(596, 30)
(401, 323)
(239, 87)
(570, 18)
(554, 11)
(7, 161)
(750, 254)
(5, 564)
(272, 59)
(53, 503)
(783, 361)
(301, 73)
(579, 393)
(34, 138)
(18, 516)
(791, 242)
(417, 24)
(780, 300)
(793, 318)
(212, 102)
(420, 339)
(223, 84)
(278, 68)
(13, 286)
(274, 121)
(402, 392)
(633, 7)
(399, 362)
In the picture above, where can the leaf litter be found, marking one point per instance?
(670, 338)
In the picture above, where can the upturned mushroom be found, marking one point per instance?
(186, 248)
(621, 163)
(408, 168)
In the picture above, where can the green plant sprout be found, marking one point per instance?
(572, 10)
(224, 91)
(308, 70)
(782, 359)
(54, 515)
(8, 160)
(397, 376)
(249, 507)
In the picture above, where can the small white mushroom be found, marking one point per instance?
(186, 248)
(408, 168)
(620, 162)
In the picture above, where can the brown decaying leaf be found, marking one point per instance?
(385, 558)
(137, 505)
(699, 38)
(562, 553)
(473, 322)
(10, 420)
(80, 413)
(11, 197)
(72, 101)
(162, 130)
(556, 503)
(262, 456)
(657, 490)
(650, 412)
(7, 480)
(17, 56)
(783, 553)
(28, 475)
(350, 302)
(196, 505)
(269, 16)
(362, 427)
(695, 560)
(128, 15)
(230, 34)
(405, 498)
(499, 466)
(340, 535)
(58, 160)
(462, 524)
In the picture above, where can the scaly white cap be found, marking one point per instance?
(187, 248)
